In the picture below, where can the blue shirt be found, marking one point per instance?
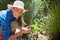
(6, 17)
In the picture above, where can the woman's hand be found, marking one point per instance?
(26, 31)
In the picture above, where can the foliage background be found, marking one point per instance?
(41, 13)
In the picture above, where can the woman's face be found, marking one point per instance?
(17, 12)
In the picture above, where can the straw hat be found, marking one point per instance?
(18, 4)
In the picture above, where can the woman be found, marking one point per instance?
(7, 16)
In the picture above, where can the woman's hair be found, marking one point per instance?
(20, 21)
(18, 24)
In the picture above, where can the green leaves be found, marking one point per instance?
(3, 4)
(35, 28)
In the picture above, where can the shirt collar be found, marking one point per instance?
(11, 14)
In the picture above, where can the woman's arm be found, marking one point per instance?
(20, 33)
(15, 35)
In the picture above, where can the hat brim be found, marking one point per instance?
(10, 6)
(24, 11)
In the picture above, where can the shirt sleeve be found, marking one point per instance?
(5, 29)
